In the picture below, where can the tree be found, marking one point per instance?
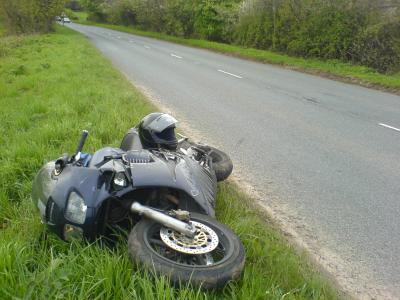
(26, 16)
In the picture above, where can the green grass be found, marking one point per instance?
(51, 87)
(330, 68)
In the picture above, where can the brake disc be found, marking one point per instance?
(204, 241)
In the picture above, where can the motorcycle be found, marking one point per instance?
(166, 198)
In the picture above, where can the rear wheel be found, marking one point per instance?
(222, 163)
(211, 259)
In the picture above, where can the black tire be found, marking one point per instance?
(222, 163)
(146, 251)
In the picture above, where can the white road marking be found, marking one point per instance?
(388, 126)
(237, 76)
(118, 37)
(177, 56)
(147, 47)
(131, 41)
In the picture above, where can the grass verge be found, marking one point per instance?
(51, 86)
(333, 69)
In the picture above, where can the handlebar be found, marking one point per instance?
(80, 144)
(82, 140)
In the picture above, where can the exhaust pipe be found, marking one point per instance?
(164, 219)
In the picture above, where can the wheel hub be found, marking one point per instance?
(204, 241)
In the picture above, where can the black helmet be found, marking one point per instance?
(157, 130)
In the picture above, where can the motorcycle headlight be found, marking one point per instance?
(76, 209)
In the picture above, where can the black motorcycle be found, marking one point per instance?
(166, 197)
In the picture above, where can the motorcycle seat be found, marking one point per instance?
(131, 141)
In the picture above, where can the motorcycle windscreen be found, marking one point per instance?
(43, 185)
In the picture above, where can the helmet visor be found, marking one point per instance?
(168, 135)
(162, 122)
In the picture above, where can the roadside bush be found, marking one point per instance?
(254, 28)
(340, 29)
(379, 47)
(120, 12)
(73, 5)
(313, 28)
(27, 16)
(179, 18)
(326, 31)
(214, 20)
(150, 14)
(97, 11)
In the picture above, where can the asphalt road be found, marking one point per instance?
(326, 155)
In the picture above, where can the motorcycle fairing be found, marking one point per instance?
(51, 192)
(181, 173)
